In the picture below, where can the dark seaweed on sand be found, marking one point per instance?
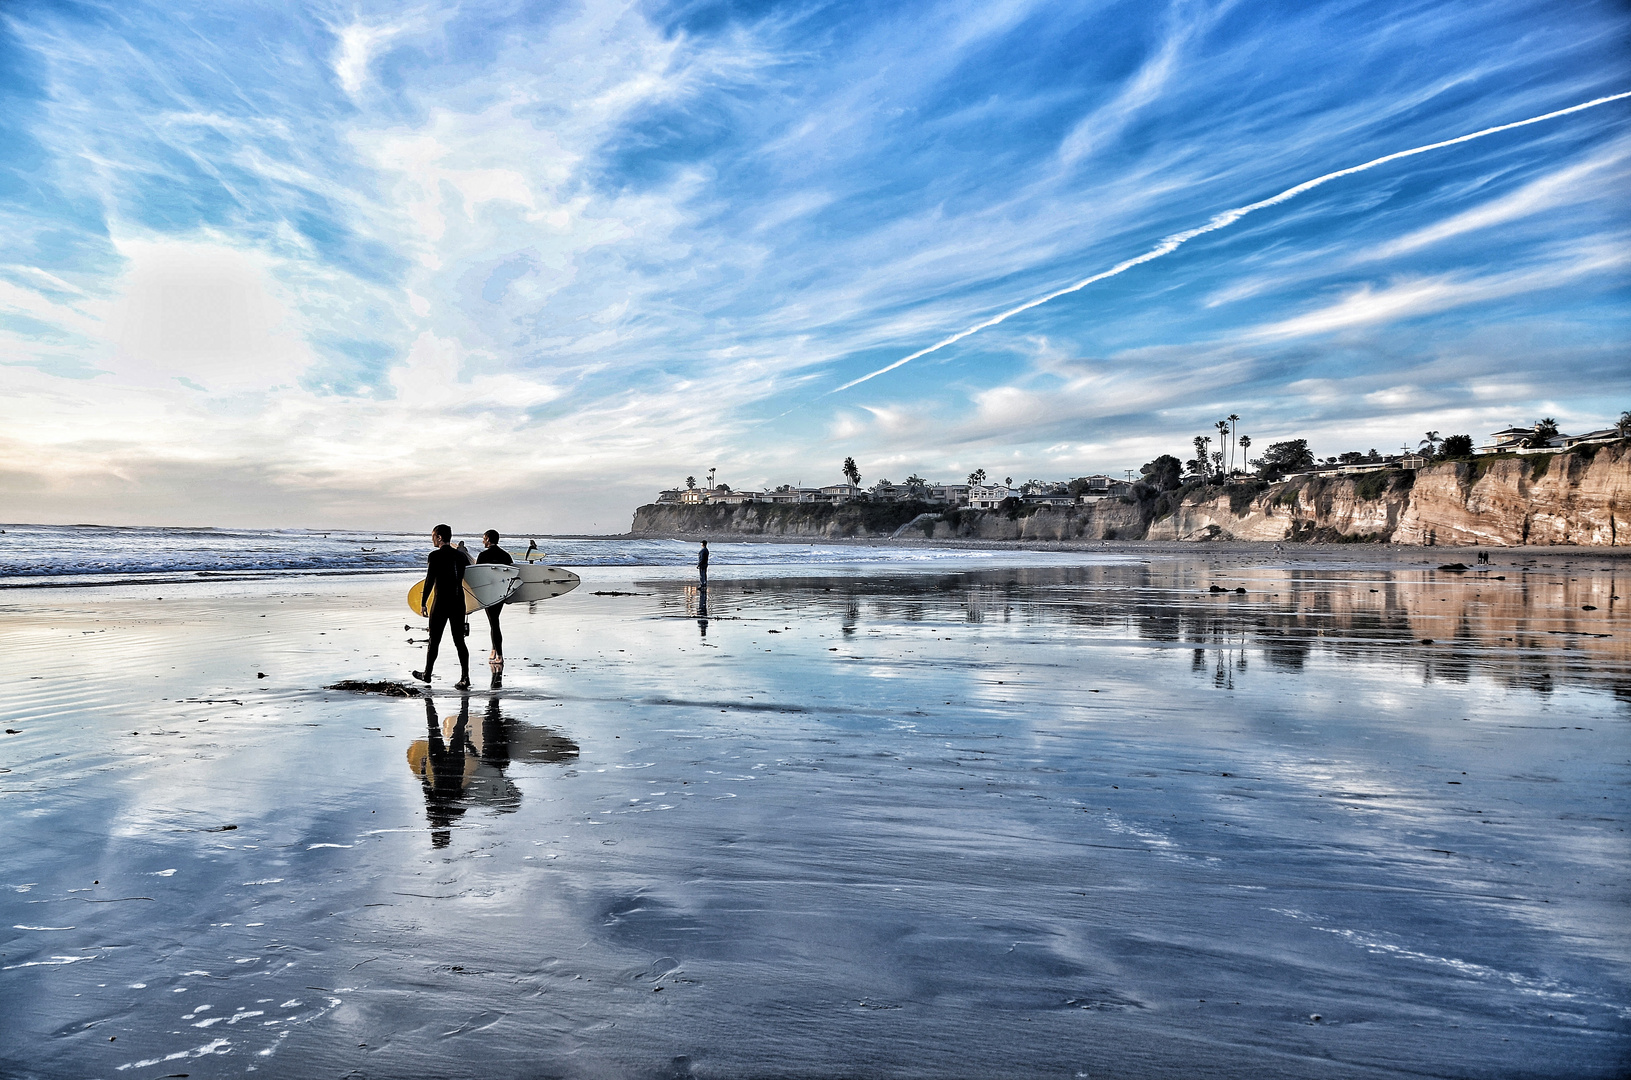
(381, 686)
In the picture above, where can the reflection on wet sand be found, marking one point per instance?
(696, 606)
(461, 763)
(1528, 627)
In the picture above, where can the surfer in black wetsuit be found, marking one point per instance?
(492, 553)
(702, 564)
(444, 577)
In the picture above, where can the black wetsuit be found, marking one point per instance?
(702, 565)
(445, 575)
(495, 555)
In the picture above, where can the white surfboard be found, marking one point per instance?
(542, 583)
(491, 583)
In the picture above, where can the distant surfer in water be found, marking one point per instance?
(702, 564)
(444, 579)
(492, 553)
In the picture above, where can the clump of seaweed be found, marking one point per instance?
(379, 686)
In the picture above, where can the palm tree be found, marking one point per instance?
(1200, 463)
(691, 482)
(852, 472)
(976, 478)
(1223, 437)
(1245, 443)
(1008, 481)
(1430, 444)
(1234, 419)
(916, 482)
(1545, 432)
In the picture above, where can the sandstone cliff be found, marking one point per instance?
(1579, 497)
(1107, 519)
(1574, 498)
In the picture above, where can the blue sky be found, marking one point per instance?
(524, 263)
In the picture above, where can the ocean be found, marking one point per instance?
(109, 555)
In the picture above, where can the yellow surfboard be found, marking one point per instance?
(416, 594)
(484, 585)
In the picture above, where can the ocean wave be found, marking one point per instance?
(88, 553)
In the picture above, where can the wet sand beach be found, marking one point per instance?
(1090, 814)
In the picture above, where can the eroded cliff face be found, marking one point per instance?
(1327, 508)
(1106, 519)
(1573, 498)
(1581, 497)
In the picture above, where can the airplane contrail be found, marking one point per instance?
(1219, 221)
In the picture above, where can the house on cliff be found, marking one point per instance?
(989, 496)
(727, 497)
(1590, 438)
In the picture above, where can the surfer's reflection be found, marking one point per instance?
(696, 601)
(460, 762)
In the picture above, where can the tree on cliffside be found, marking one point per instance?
(1200, 465)
(1455, 446)
(916, 485)
(1165, 473)
(1281, 458)
(852, 472)
(976, 478)
(1623, 428)
(1545, 431)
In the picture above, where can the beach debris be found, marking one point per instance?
(1453, 566)
(378, 686)
(614, 592)
(1426, 641)
(260, 674)
(1588, 607)
(1217, 588)
(13, 731)
(1241, 590)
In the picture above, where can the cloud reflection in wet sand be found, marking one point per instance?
(1005, 821)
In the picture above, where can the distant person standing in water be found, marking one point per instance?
(492, 553)
(444, 577)
(702, 564)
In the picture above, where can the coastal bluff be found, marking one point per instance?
(1581, 497)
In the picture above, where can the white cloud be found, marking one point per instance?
(200, 310)
(1557, 188)
(1369, 305)
(360, 44)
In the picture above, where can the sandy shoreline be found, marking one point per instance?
(1008, 815)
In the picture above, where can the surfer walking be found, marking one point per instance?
(444, 591)
(492, 553)
(702, 565)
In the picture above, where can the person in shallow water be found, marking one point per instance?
(492, 553)
(444, 589)
(702, 564)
